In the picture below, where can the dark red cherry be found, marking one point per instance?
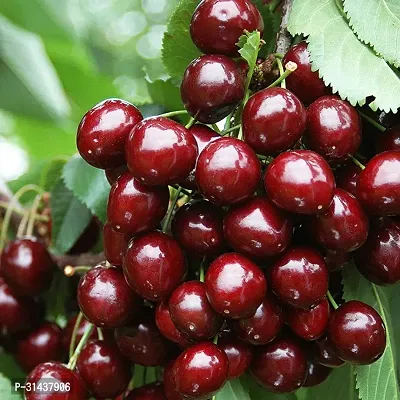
(378, 185)
(200, 371)
(88, 238)
(281, 366)
(152, 391)
(69, 329)
(357, 332)
(343, 226)
(317, 374)
(112, 174)
(167, 326)
(228, 171)
(225, 20)
(192, 313)
(388, 140)
(41, 345)
(309, 324)
(105, 299)
(133, 207)
(379, 259)
(69, 383)
(322, 352)
(257, 228)
(115, 244)
(300, 181)
(211, 88)
(303, 82)
(238, 352)
(333, 128)
(103, 369)
(160, 151)
(169, 383)
(336, 260)
(142, 342)
(300, 278)
(263, 326)
(198, 228)
(274, 119)
(27, 266)
(346, 178)
(235, 286)
(103, 131)
(154, 265)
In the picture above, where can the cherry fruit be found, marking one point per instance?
(347, 177)
(169, 383)
(151, 391)
(317, 374)
(115, 244)
(112, 174)
(323, 352)
(388, 140)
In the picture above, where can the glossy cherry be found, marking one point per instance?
(257, 228)
(357, 333)
(263, 326)
(317, 374)
(388, 140)
(103, 369)
(169, 383)
(160, 151)
(378, 185)
(235, 286)
(300, 181)
(212, 86)
(103, 131)
(133, 207)
(228, 171)
(56, 373)
(323, 352)
(281, 366)
(88, 238)
(27, 266)
(105, 299)
(346, 178)
(115, 244)
(343, 226)
(379, 259)
(154, 265)
(225, 20)
(200, 371)
(198, 228)
(300, 278)
(274, 119)
(151, 391)
(69, 329)
(333, 128)
(303, 82)
(112, 174)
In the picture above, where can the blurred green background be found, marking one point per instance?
(60, 57)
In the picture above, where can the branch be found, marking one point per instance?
(86, 259)
(284, 39)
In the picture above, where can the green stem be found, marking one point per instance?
(281, 71)
(356, 162)
(184, 191)
(22, 212)
(377, 125)
(74, 333)
(100, 334)
(191, 122)
(72, 361)
(201, 273)
(228, 121)
(290, 67)
(215, 341)
(332, 300)
(33, 212)
(22, 224)
(277, 55)
(225, 132)
(215, 127)
(173, 113)
(69, 270)
(171, 210)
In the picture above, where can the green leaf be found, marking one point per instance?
(178, 49)
(249, 44)
(379, 380)
(394, 6)
(166, 93)
(89, 185)
(52, 173)
(349, 66)
(233, 390)
(69, 218)
(375, 24)
(10, 372)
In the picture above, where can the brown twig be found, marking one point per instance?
(284, 39)
(87, 259)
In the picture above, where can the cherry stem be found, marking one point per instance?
(290, 67)
(215, 127)
(171, 209)
(22, 212)
(277, 55)
(226, 131)
(100, 334)
(22, 224)
(191, 122)
(184, 191)
(72, 361)
(215, 341)
(377, 125)
(355, 161)
(201, 278)
(74, 333)
(228, 120)
(32, 214)
(173, 113)
(69, 270)
(332, 300)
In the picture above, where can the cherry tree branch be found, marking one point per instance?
(284, 39)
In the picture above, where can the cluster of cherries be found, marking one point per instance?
(231, 274)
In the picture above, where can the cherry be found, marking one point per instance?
(225, 20)
(27, 266)
(192, 313)
(274, 119)
(303, 82)
(388, 140)
(167, 326)
(88, 238)
(103, 369)
(235, 286)
(343, 226)
(357, 332)
(103, 130)
(69, 382)
(257, 228)
(197, 227)
(133, 207)
(105, 299)
(336, 260)
(300, 181)
(112, 174)
(309, 324)
(281, 366)
(378, 184)
(200, 371)
(154, 265)
(379, 259)
(211, 88)
(69, 329)
(346, 178)
(317, 374)
(115, 244)
(333, 128)
(169, 383)
(228, 171)
(263, 326)
(152, 391)
(300, 278)
(323, 352)
(41, 345)
(239, 354)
